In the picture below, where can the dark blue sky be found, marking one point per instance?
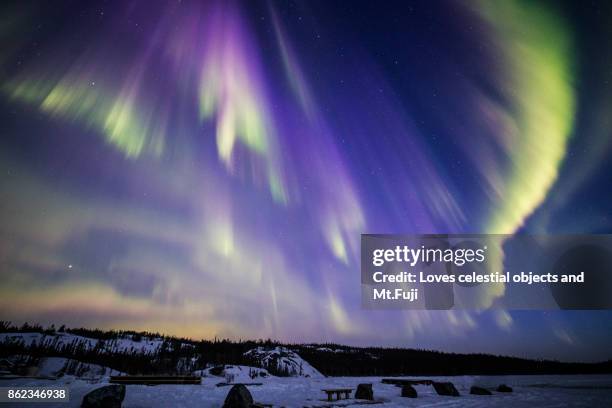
(207, 169)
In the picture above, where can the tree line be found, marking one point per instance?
(184, 356)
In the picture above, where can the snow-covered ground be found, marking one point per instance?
(304, 389)
(529, 391)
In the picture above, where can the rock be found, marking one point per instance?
(479, 391)
(217, 370)
(445, 388)
(408, 391)
(238, 397)
(365, 392)
(504, 388)
(109, 396)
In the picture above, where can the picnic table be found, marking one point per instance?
(338, 392)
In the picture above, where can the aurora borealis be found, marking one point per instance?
(206, 168)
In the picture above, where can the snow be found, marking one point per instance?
(236, 373)
(329, 350)
(301, 389)
(146, 345)
(283, 359)
(51, 366)
(529, 391)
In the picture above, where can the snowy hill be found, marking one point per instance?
(151, 353)
(262, 362)
(63, 354)
(59, 340)
(55, 367)
(60, 366)
(282, 361)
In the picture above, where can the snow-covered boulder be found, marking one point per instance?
(282, 362)
(238, 397)
(107, 396)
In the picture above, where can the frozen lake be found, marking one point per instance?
(529, 391)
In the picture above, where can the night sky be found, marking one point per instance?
(206, 169)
